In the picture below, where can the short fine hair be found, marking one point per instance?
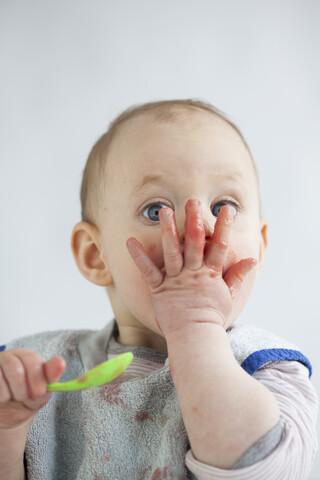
(94, 174)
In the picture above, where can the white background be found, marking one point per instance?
(68, 67)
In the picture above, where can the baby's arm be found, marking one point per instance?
(23, 391)
(224, 409)
(293, 457)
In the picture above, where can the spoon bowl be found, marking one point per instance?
(99, 375)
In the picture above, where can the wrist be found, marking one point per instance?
(12, 446)
(197, 347)
(14, 439)
(189, 320)
(195, 332)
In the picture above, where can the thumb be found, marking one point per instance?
(236, 274)
(54, 368)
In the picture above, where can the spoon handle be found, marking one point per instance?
(99, 375)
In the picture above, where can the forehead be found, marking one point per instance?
(192, 140)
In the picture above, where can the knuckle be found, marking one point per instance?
(171, 255)
(18, 385)
(14, 373)
(13, 364)
(240, 276)
(221, 245)
(3, 356)
(214, 272)
(30, 355)
(4, 397)
(152, 277)
(173, 260)
(147, 270)
(4, 391)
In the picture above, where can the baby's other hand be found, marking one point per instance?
(23, 385)
(193, 288)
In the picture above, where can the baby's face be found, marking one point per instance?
(153, 164)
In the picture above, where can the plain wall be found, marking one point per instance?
(68, 67)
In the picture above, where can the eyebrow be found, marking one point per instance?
(162, 179)
(150, 179)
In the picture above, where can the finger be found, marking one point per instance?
(151, 273)
(54, 368)
(219, 244)
(236, 274)
(35, 377)
(51, 372)
(5, 393)
(15, 377)
(172, 255)
(194, 236)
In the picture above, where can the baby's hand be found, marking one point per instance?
(23, 385)
(192, 288)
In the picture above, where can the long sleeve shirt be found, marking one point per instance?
(293, 457)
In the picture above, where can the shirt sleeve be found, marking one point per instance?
(294, 455)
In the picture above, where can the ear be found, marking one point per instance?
(263, 242)
(87, 251)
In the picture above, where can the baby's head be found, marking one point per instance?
(171, 111)
(162, 154)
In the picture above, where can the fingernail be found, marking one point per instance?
(232, 292)
(166, 211)
(193, 202)
(230, 215)
(253, 263)
(131, 242)
(166, 216)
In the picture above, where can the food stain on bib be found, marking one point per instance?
(140, 417)
(111, 394)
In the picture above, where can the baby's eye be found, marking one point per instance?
(215, 208)
(152, 212)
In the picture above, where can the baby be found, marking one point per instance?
(171, 226)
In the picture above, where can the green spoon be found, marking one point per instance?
(99, 375)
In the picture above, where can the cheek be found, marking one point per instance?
(241, 247)
(131, 286)
(154, 251)
(149, 249)
(129, 280)
(243, 296)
